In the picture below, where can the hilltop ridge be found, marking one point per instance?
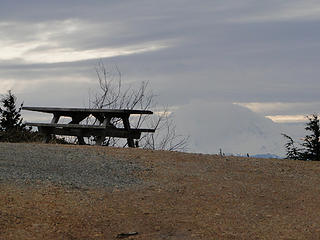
(158, 194)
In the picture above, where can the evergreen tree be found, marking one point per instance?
(292, 151)
(311, 142)
(10, 117)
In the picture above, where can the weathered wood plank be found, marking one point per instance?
(144, 130)
(59, 125)
(87, 132)
(70, 111)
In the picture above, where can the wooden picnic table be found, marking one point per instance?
(105, 128)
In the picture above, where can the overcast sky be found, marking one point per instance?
(236, 73)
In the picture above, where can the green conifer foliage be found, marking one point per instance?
(311, 141)
(10, 117)
(310, 147)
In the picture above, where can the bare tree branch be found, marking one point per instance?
(112, 94)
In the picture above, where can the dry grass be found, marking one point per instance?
(187, 196)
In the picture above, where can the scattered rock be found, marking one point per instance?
(126, 235)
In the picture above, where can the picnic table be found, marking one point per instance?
(103, 129)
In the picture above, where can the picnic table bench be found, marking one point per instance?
(103, 117)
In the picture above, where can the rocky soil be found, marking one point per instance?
(88, 192)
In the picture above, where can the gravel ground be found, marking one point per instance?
(74, 166)
(180, 196)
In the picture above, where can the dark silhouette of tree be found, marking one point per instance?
(12, 128)
(10, 118)
(291, 149)
(311, 142)
(310, 147)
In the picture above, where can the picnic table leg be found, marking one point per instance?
(126, 125)
(99, 140)
(81, 140)
(55, 119)
(76, 120)
(104, 122)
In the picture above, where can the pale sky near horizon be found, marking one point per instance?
(235, 73)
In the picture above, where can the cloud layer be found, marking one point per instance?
(262, 55)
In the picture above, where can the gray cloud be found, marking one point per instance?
(230, 51)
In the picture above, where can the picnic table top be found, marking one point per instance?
(58, 110)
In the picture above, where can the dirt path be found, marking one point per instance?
(181, 196)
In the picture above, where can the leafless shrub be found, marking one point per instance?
(113, 94)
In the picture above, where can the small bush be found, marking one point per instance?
(14, 135)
